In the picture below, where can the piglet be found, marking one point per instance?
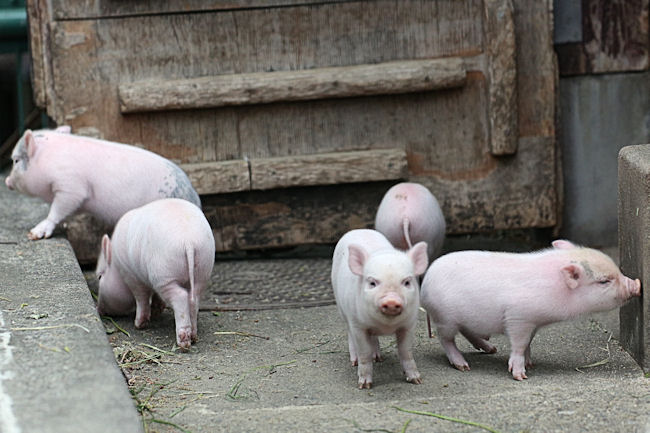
(408, 214)
(480, 293)
(165, 248)
(77, 173)
(376, 291)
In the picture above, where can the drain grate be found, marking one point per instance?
(269, 284)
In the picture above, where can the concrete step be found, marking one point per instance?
(57, 370)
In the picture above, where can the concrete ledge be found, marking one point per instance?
(634, 246)
(57, 370)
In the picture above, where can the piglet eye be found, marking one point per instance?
(603, 282)
(407, 283)
(372, 283)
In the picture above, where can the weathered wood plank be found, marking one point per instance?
(92, 9)
(39, 39)
(330, 168)
(615, 38)
(219, 177)
(324, 169)
(616, 34)
(536, 68)
(502, 76)
(34, 13)
(388, 78)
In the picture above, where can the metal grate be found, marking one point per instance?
(269, 284)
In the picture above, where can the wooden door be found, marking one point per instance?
(292, 117)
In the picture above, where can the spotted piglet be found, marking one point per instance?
(77, 173)
(376, 291)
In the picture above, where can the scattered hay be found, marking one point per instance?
(144, 406)
(129, 355)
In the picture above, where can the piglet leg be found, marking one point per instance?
(354, 358)
(178, 297)
(527, 357)
(376, 352)
(479, 342)
(63, 205)
(364, 347)
(142, 297)
(520, 336)
(194, 313)
(404, 344)
(451, 350)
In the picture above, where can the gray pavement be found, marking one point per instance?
(299, 379)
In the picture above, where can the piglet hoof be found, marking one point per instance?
(519, 376)
(517, 373)
(461, 367)
(414, 378)
(36, 235)
(184, 346)
(354, 362)
(184, 340)
(42, 230)
(365, 383)
(141, 323)
(377, 357)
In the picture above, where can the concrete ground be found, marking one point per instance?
(274, 370)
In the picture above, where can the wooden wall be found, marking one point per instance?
(286, 134)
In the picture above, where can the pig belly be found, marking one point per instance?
(480, 321)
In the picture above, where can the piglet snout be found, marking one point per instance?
(391, 305)
(8, 183)
(634, 287)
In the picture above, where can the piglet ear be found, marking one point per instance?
(65, 129)
(562, 244)
(29, 143)
(572, 274)
(357, 258)
(418, 254)
(106, 248)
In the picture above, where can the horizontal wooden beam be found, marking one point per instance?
(307, 84)
(289, 171)
(219, 177)
(329, 168)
